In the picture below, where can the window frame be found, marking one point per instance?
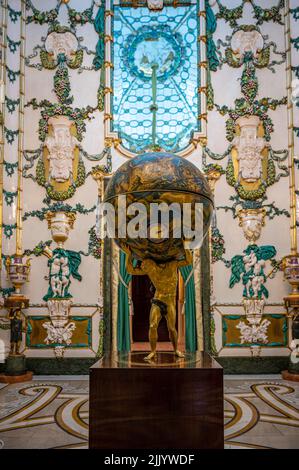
(112, 138)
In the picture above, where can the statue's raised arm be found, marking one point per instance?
(131, 269)
(188, 259)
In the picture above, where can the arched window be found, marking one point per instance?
(155, 77)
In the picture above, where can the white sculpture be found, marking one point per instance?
(59, 311)
(61, 43)
(249, 147)
(61, 146)
(59, 335)
(253, 333)
(155, 4)
(54, 277)
(59, 351)
(65, 274)
(257, 279)
(254, 310)
(59, 276)
(247, 41)
(58, 329)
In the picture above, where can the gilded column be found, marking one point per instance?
(19, 223)
(2, 117)
(98, 175)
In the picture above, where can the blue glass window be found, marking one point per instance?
(155, 80)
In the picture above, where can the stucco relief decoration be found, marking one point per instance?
(249, 146)
(63, 266)
(61, 43)
(59, 329)
(254, 333)
(250, 170)
(250, 268)
(61, 145)
(247, 41)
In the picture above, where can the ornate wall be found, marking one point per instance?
(54, 150)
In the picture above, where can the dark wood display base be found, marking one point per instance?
(286, 375)
(170, 403)
(14, 379)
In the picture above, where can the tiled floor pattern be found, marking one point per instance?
(53, 413)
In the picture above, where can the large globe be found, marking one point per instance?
(157, 177)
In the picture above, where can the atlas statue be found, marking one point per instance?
(164, 277)
(160, 178)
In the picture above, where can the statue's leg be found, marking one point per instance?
(171, 319)
(155, 317)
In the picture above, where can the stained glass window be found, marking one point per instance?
(155, 77)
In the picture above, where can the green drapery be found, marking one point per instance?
(190, 310)
(123, 311)
(211, 26)
(123, 314)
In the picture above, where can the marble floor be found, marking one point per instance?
(52, 412)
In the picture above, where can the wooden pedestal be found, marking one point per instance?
(170, 403)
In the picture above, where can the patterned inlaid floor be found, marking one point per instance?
(53, 413)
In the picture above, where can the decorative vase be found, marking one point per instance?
(60, 223)
(252, 221)
(18, 272)
(290, 267)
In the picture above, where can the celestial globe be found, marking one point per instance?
(155, 178)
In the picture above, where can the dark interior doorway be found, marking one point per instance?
(142, 294)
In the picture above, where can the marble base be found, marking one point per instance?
(15, 364)
(14, 379)
(168, 403)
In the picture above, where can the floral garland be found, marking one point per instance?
(12, 74)
(10, 168)
(39, 249)
(57, 207)
(49, 17)
(94, 243)
(271, 211)
(217, 243)
(8, 229)
(62, 85)
(78, 115)
(295, 13)
(231, 15)
(11, 104)
(12, 45)
(13, 14)
(248, 105)
(10, 135)
(9, 196)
